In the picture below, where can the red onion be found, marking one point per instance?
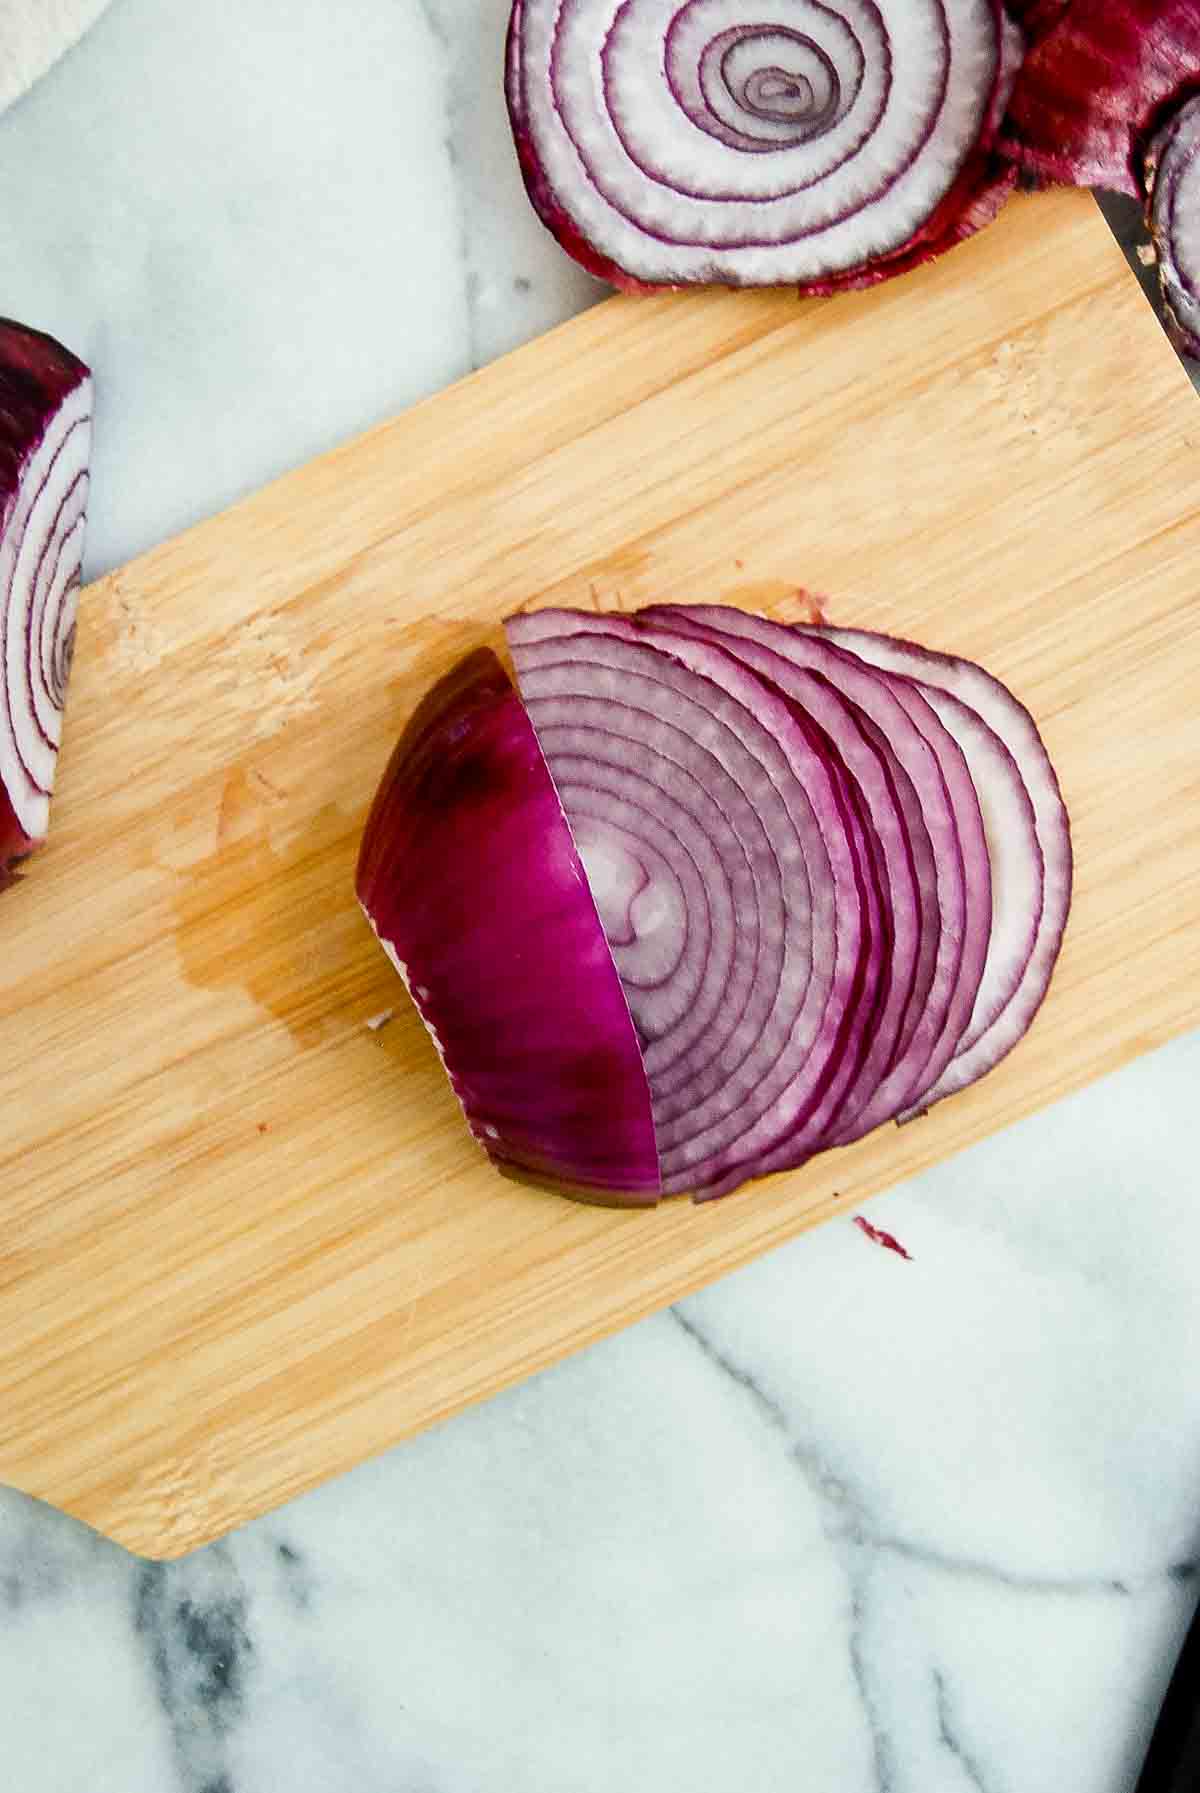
(1173, 176)
(717, 894)
(45, 427)
(808, 142)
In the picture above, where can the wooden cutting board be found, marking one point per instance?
(246, 1239)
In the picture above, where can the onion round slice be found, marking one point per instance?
(45, 431)
(685, 718)
(1173, 175)
(1028, 935)
(469, 876)
(809, 142)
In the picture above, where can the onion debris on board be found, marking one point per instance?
(712, 893)
(45, 438)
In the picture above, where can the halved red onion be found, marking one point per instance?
(1095, 83)
(1031, 871)
(807, 142)
(469, 876)
(814, 879)
(1172, 170)
(45, 433)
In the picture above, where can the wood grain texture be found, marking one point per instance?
(246, 1239)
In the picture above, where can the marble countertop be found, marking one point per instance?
(839, 1524)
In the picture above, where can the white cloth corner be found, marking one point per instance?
(34, 34)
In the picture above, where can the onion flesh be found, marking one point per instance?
(45, 438)
(1030, 934)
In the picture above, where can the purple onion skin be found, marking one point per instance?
(469, 873)
(15, 844)
(1101, 76)
(36, 375)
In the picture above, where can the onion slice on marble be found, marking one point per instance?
(816, 143)
(713, 894)
(45, 435)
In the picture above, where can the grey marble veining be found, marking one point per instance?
(839, 1524)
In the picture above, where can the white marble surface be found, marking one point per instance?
(841, 1524)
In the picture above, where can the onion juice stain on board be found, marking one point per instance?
(278, 922)
(781, 599)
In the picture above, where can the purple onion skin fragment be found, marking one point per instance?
(45, 434)
(470, 878)
(1101, 76)
(818, 145)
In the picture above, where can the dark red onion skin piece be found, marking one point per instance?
(14, 842)
(469, 873)
(36, 375)
(1096, 83)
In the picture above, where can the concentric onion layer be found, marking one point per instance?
(1028, 837)
(45, 417)
(942, 954)
(1173, 170)
(792, 141)
(755, 1042)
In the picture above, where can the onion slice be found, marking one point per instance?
(470, 878)
(1172, 170)
(807, 142)
(45, 434)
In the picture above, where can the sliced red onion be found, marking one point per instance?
(808, 142)
(1173, 177)
(470, 878)
(719, 894)
(1027, 936)
(45, 434)
(1094, 85)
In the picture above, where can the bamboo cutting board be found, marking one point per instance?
(246, 1239)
